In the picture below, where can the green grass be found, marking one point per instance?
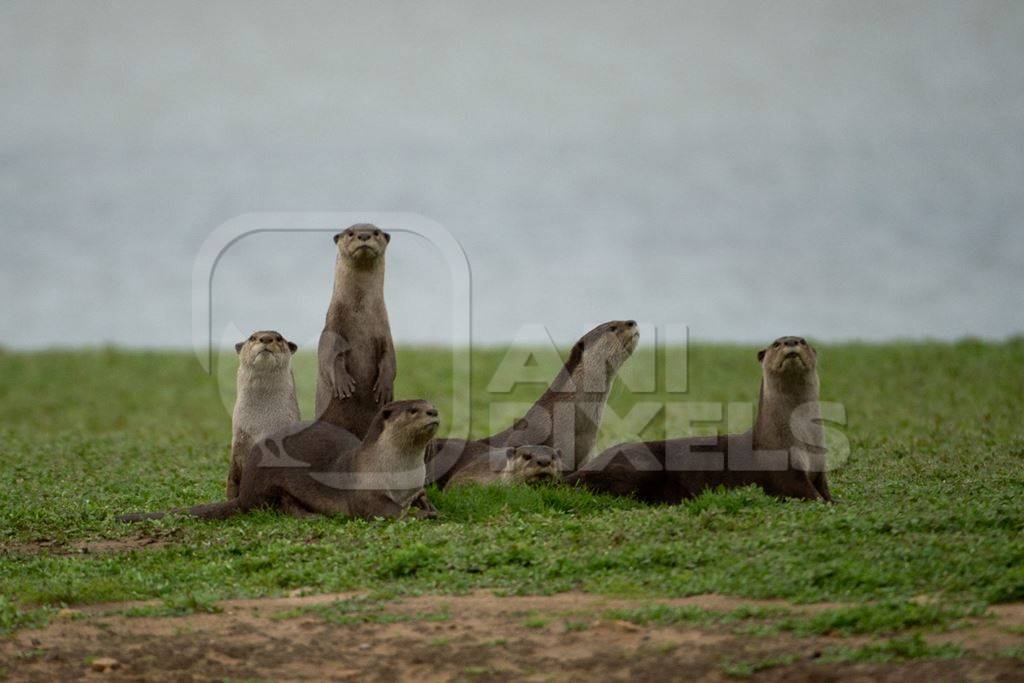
(359, 610)
(888, 616)
(174, 607)
(929, 501)
(901, 648)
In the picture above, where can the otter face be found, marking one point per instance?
(265, 349)
(788, 357)
(412, 423)
(362, 244)
(533, 463)
(603, 350)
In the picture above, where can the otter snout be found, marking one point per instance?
(535, 462)
(363, 242)
(788, 355)
(265, 348)
(538, 459)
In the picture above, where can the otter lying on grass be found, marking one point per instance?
(784, 453)
(567, 416)
(522, 465)
(321, 468)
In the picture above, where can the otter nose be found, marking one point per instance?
(630, 323)
(432, 412)
(364, 236)
(266, 339)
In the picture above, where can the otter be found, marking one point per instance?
(522, 465)
(784, 453)
(265, 400)
(319, 468)
(567, 416)
(356, 356)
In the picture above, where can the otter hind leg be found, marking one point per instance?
(234, 478)
(318, 499)
(821, 485)
(290, 505)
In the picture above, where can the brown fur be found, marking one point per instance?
(522, 465)
(567, 416)
(319, 468)
(356, 355)
(770, 455)
(265, 401)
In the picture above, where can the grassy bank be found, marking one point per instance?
(930, 498)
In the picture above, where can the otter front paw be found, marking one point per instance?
(423, 514)
(422, 508)
(382, 393)
(344, 386)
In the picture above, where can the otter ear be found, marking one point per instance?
(338, 237)
(760, 355)
(238, 347)
(293, 347)
(387, 237)
(510, 453)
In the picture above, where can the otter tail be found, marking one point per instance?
(221, 510)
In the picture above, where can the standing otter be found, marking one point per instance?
(783, 453)
(567, 416)
(356, 355)
(318, 468)
(265, 400)
(522, 465)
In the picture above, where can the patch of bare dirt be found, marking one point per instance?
(102, 546)
(566, 637)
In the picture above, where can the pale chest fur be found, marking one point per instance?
(266, 402)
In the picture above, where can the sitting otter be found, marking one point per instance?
(265, 399)
(320, 468)
(522, 465)
(567, 416)
(771, 455)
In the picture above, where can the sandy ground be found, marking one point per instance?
(480, 637)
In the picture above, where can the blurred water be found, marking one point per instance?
(839, 170)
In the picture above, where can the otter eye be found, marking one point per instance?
(376, 233)
(252, 338)
(803, 342)
(614, 328)
(775, 344)
(412, 411)
(278, 338)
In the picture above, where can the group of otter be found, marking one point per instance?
(369, 456)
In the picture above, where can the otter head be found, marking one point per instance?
(265, 350)
(406, 424)
(532, 463)
(600, 353)
(362, 245)
(789, 361)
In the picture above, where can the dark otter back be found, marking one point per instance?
(445, 457)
